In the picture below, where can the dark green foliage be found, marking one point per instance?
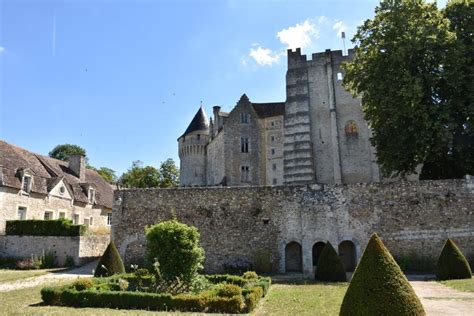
(379, 287)
(252, 297)
(139, 176)
(229, 290)
(452, 264)
(8, 263)
(416, 263)
(82, 284)
(69, 263)
(52, 295)
(329, 267)
(110, 263)
(63, 152)
(175, 246)
(48, 260)
(228, 278)
(34, 227)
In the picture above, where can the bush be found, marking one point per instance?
(227, 278)
(452, 264)
(329, 267)
(51, 295)
(379, 287)
(110, 263)
(82, 284)
(8, 263)
(31, 263)
(47, 260)
(176, 247)
(229, 290)
(415, 263)
(250, 275)
(252, 297)
(69, 262)
(34, 227)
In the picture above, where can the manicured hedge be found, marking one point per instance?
(34, 227)
(110, 263)
(451, 263)
(204, 302)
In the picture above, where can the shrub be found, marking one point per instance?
(414, 262)
(110, 263)
(230, 305)
(229, 290)
(250, 275)
(69, 262)
(329, 267)
(48, 260)
(264, 284)
(29, 263)
(451, 263)
(34, 227)
(51, 295)
(227, 278)
(83, 284)
(8, 263)
(251, 297)
(176, 247)
(379, 287)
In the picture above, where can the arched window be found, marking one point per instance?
(317, 249)
(293, 257)
(347, 253)
(351, 129)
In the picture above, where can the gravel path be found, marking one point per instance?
(84, 271)
(438, 299)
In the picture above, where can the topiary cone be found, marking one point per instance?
(110, 263)
(329, 267)
(379, 286)
(452, 264)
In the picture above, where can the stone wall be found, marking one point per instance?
(81, 248)
(254, 224)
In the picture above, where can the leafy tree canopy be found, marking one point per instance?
(403, 70)
(63, 152)
(139, 176)
(106, 173)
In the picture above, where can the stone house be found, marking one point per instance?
(318, 135)
(33, 186)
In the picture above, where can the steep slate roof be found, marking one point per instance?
(47, 172)
(199, 122)
(269, 109)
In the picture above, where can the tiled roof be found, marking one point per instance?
(199, 122)
(269, 109)
(47, 172)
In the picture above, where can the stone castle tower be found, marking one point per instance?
(318, 135)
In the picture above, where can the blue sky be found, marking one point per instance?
(123, 79)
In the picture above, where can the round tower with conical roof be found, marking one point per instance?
(192, 151)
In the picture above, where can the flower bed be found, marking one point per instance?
(222, 294)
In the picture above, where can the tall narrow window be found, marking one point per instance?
(273, 151)
(109, 219)
(75, 219)
(274, 167)
(272, 138)
(48, 216)
(244, 144)
(26, 186)
(244, 174)
(91, 195)
(244, 118)
(21, 213)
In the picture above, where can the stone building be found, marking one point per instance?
(33, 186)
(318, 135)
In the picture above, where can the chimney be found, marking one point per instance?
(216, 109)
(77, 165)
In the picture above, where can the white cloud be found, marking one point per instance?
(301, 35)
(340, 26)
(264, 56)
(2, 49)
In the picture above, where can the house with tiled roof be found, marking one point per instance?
(33, 186)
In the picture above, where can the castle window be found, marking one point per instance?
(244, 118)
(272, 138)
(62, 214)
(48, 216)
(274, 167)
(109, 219)
(91, 195)
(339, 76)
(275, 181)
(21, 215)
(198, 136)
(244, 174)
(351, 129)
(244, 144)
(26, 185)
(75, 219)
(273, 151)
(272, 124)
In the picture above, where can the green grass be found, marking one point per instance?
(13, 275)
(282, 299)
(465, 285)
(303, 299)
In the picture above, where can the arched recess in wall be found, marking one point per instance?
(347, 253)
(351, 129)
(317, 249)
(293, 257)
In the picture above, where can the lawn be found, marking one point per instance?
(13, 275)
(465, 285)
(282, 299)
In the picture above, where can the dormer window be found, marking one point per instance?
(26, 184)
(91, 195)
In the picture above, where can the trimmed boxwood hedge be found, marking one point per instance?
(110, 263)
(451, 263)
(330, 267)
(35, 227)
(92, 297)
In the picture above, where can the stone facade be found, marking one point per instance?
(278, 228)
(82, 248)
(318, 135)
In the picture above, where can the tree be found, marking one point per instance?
(451, 263)
(399, 72)
(63, 152)
(169, 174)
(106, 173)
(175, 246)
(110, 263)
(329, 267)
(150, 177)
(379, 287)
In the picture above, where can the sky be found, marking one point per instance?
(123, 79)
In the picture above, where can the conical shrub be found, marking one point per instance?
(451, 263)
(379, 287)
(329, 267)
(110, 263)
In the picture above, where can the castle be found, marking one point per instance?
(318, 135)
